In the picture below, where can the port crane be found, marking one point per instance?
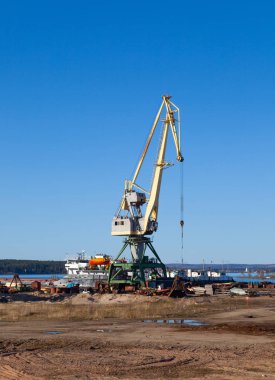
(137, 215)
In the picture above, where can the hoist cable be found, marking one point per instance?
(181, 205)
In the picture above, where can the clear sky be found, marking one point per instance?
(80, 84)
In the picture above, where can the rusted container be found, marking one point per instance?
(53, 290)
(36, 285)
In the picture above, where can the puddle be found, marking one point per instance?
(188, 322)
(193, 322)
(54, 332)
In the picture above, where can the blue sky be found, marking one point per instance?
(81, 83)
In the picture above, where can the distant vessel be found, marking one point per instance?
(205, 276)
(87, 273)
(77, 265)
(81, 266)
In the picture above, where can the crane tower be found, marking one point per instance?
(137, 215)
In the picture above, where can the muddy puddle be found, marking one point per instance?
(187, 322)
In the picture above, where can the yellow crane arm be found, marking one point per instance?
(153, 203)
(129, 184)
(148, 142)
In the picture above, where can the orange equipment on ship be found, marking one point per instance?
(100, 260)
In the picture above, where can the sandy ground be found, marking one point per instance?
(236, 344)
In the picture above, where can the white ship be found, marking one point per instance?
(81, 266)
(87, 273)
(77, 265)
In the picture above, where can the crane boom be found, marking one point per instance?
(153, 204)
(130, 221)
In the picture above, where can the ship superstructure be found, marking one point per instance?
(81, 266)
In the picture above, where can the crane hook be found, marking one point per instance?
(182, 224)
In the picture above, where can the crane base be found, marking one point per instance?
(138, 271)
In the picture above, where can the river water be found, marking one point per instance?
(33, 276)
(249, 277)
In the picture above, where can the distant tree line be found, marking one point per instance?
(10, 266)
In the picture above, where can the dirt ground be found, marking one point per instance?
(235, 344)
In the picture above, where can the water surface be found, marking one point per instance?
(188, 322)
